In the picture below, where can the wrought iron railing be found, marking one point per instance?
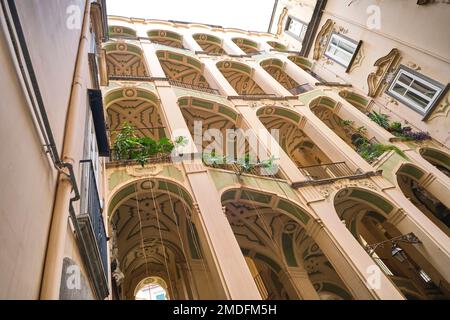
(90, 231)
(90, 205)
(301, 89)
(193, 87)
(327, 171)
(256, 170)
(116, 157)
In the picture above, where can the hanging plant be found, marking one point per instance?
(368, 150)
(397, 129)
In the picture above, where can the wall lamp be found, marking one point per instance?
(396, 251)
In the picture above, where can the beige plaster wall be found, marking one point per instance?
(28, 179)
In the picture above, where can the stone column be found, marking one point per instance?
(297, 284)
(435, 246)
(219, 243)
(251, 120)
(434, 181)
(296, 73)
(357, 270)
(231, 48)
(267, 82)
(330, 143)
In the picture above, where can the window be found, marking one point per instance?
(415, 90)
(296, 28)
(341, 49)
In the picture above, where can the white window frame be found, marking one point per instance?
(417, 77)
(302, 32)
(341, 39)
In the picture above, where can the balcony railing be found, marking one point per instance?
(116, 158)
(93, 234)
(251, 170)
(301, 89)
(327, 171)
(193, 87)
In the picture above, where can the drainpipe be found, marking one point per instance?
(71, 151)
(22, 61)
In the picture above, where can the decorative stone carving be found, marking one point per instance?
(357, 62)
(281, 21)
(384, 65)
(148, 171)
(327, 190)
(322, 39)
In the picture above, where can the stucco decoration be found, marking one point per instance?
(442, 110)
(322, 38)
(283, 16)
(384, 65)
(359, 58)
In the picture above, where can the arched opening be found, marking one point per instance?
(125, 60)
(360, 102)
(437, 158)
(155, 241)
(137, 108)
(210, 44)
(365, 214)
(120, 31)
(302, 62)
(183, 70)
(240, 76)
(270, 231)
(408, 179)
(246, 45)
(152, 288)
(308, 157)
(167, 38)
(277, 45)
(275, 68)
(324, 108)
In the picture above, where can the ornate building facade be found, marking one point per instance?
(350, 202)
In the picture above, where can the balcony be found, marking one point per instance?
(254, 170)
(92, 234)
(330, 172)
(193, 87)
(301, 89)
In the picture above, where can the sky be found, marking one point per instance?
(251, 15)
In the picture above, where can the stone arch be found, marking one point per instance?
(182, 68)
(209, 43)
(367, 214)
(138, 106)
(213, 115)
(246, 45)
(275, 67)
(277, 45)
(152, 233)
(271, 228)
(302, 62)
(121, 31)
(325, 109)
(438, 158)
(409, 180)
(302, 150)
(125, 59)
(154, 280)
(166, 37)
(359, 101)
(240, 76)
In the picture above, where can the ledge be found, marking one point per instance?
(365, 175)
